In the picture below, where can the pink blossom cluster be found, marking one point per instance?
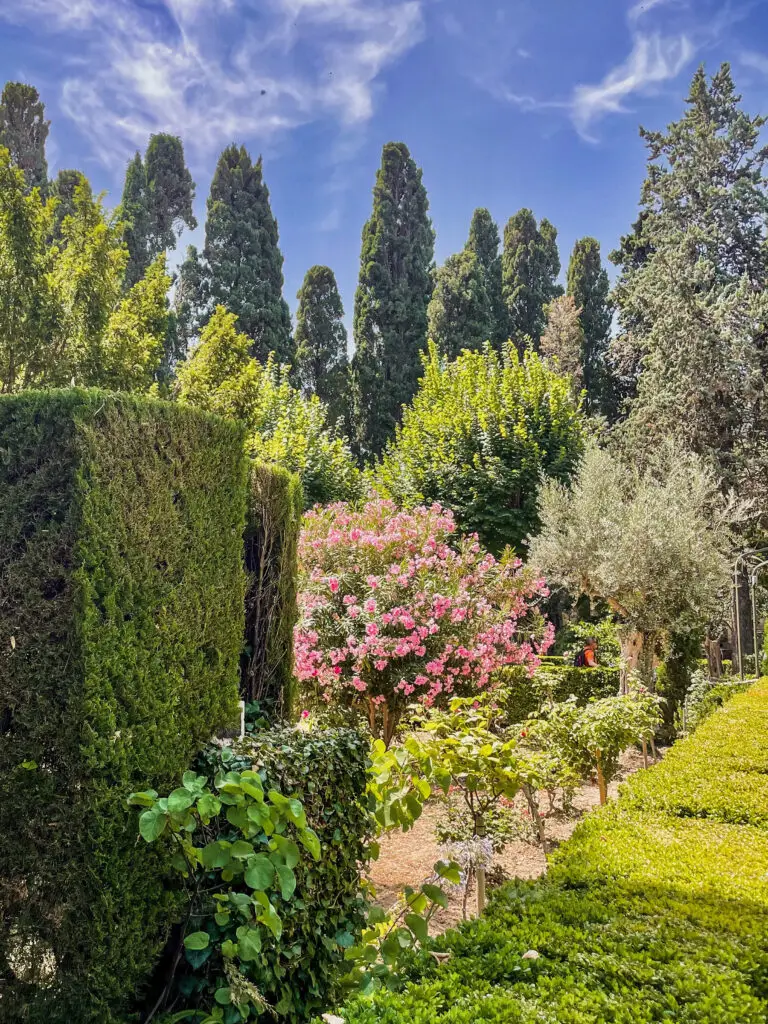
(395, 607)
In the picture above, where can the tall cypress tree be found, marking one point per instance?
(484, 242)
(394, 289)
(244, 264)
(63, 191)
(170, 192)
(23, 131)
(530, 266)
(321, 341)
(134, 213)
(459, 314)
(588, 286)
(188, 300)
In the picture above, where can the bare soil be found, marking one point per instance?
(407, 858)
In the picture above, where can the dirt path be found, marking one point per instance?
(407, 858)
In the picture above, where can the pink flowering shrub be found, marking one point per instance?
(395, 608)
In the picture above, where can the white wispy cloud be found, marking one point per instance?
(756, 61)
(217, 70)
(653, 59)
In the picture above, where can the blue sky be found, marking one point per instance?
(504, 103)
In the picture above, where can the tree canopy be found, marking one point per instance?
(530, 266)
(24, 130)
(588, 286)
(321, 341)
(484, 242)
(479, 434)
(459, 314)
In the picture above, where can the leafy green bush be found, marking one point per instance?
(519, 696)
(271, 541)
(302, 944)
(121, 615)
(645, 916)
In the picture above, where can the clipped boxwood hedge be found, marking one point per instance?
(646, 914)
(327, 771)
(520, 696)
(275, 506)
(121, 624)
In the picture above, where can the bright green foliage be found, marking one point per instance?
(321, 342)
(484, 242)
(459, 314)
(589, 288)
(132, 347)
(644, 917)
(271, 537)
(654, 545)
(530, 266)
(121, 618)
(157, 202)
(23, 131)
(691, 294)
(63, 191)
(479, 435)
(134, 214)
(283, 427)
(289, 960)
(391, 301)
(244, 265)
(519, 696)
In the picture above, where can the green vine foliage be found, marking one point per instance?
(275, 507)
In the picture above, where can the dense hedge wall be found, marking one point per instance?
(121, 597)
(272, 529)
(327, 771)
(646, 915)
(519, 695)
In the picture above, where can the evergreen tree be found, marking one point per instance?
(23, 131)
(563, 338)
(692, 293)
(134, 212)
(244, 265)
(188, 305)
(484, 242)
(321, 341)
(170, 193)
(63, 191)
(394, 289)
(530, 266)
(587, 285)
(459, 315)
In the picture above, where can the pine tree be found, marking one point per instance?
(244, 265)
(484, 242)
(530, 266)
(134, 213)
(588, 286)
(459, 315)
(692, 296)
(321, 341)
(170, 193)
(23, 131)
(394, 289)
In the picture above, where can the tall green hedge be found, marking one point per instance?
(520, 696)
(655, 910)
(271, 540)
(121, 618)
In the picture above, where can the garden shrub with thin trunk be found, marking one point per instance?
(647, 913)
(272, 529)
(121, 624)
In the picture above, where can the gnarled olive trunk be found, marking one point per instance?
(638, 654)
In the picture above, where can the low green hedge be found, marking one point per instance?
(520, 696)
(327, 771)
(121, 619)
(645, 916)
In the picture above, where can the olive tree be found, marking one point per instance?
(653, 544)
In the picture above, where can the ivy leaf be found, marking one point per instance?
(418, 926)
(436, 894)
(208, 806)
(311, 842)
(145, 799)
(180, 800)
(152, 824)
(260, 872)
(287, 881)
(249, 943)
(197, 940)
(223, 996)
(241, 850)
(216, 855)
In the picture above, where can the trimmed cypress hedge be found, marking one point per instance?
(646, 914)
(121, 619)
(276, 503)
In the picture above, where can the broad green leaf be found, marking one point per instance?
(311, 842)
(259, 872)
(216, 855)
(152, 824)
(241, 850)
(249, 942)
(197, 940)
(287, 881)
(145, 799)
(418, 926)
(208, 806)
(436, 894)
(223, 996)
(180, 800)
(449, 870)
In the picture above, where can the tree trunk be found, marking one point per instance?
(480, 891)
(601, 785)
(638, 652)
(714, 658)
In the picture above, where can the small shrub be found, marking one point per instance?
(519, 696)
